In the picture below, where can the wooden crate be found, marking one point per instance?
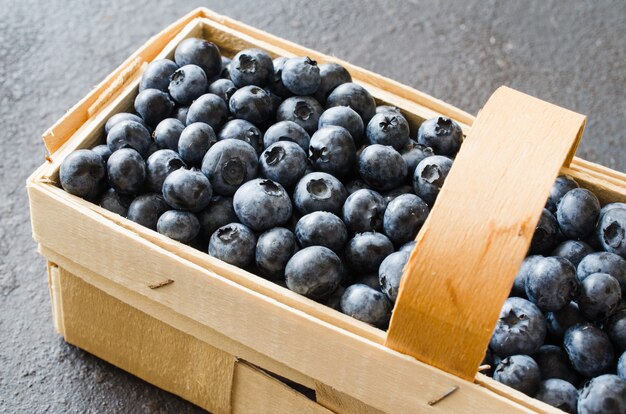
(213, 333)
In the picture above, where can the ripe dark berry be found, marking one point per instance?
(600, 295)
(199, 52)
(262, 204)
(404, 217)
(558, 322)
(182, 226)
(208, 108)
(218, 213)
(157, 75)
(545, 237)
(429, 176)
(233, 243)
(551, 283)
(187, 190)
(332, 150)
(577, 213)
(129, 134)
(251, 103)
(611, 231)
(287, 131)
(122, 116)
(356, 97)
(413, 153)
(187, 84)
(345, 117)
(589, 349)
(442, 134)
(126, 171)
(273, 250)
(388, 129)
(605, 394)
(560, 394)
(331, 76)
(390, 273)
(520, 372)
(195, 141)
(572, 250)
(224, 88)
(146, 209)
(303, 110)
(244, 131)
(561, 186)
(159, 165)
(228, 164)
(603, 262)
(284, 162)
(82, 173)
(382, 167)
(366, 304)
(251, 67)
(322, 228)
(319, 192)
(301, 75)
(521, 328)
(314, 272)
(167, 133)
(116, 202)
(363, 211)
(154, 106)
(365, 252)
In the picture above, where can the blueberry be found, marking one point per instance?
(561, 186)
(332, 150)
(126, 171)
(442, 134)
(408, 247)
(153, 106)
(225, 73)
(115, 202)
(429, 177)
(404, 217)
(274, 248)
(390, 273)
(284, 162)
(621, 366)
(363, 211)
(356, 97)
(146, 210)
(180, 113)
(187, 190)
(319, 192)
(370, 280)
(559, 394)
(195, 141)
(610, 206)
(276, 81)
(262, 204)
(391, 195)
(365, 252)
(157, 75)
(244, 131)
(616, 329)
(554, 363)
(346, 117)
(321, 228)
(224, 88)
(251, 103)
(331, 76)
(384, 109)
(251, 67)
(303, 110)
(167, 133)
(187, 84)
(611, 231)
(603, 262)
(314, 272)
(228, 164)
(234, 244)
(600, 294)
(520, 372)
(572, 250)
(218, 213)
(366, 304)
(301, 75)
(82, 173)
(181, 226)
(605, 394)
(521, 328)
(519, 285)
(382, 167)
(199, 52)
(286, 131)
(129, 134)
(355, 185)
(589, 349)
(545, 237)
(551, 283)
(208, 108)
(577, 213)
(388, 129)
(119, 117)
(413, 153)
(558, 322)
(159, 165)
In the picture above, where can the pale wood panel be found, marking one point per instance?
(478, 233)
(341, 403)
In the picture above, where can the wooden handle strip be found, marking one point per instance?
(479, 231)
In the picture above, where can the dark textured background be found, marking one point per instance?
(53, 52)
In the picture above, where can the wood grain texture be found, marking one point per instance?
(478, 232)
(341, 403)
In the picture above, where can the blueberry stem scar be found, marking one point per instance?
(161, 284)
(442, 396)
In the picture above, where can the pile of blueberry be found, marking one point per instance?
(289, 170)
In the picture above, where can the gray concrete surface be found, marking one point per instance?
(53, 52)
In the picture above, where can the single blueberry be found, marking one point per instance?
(364, 211)
(442, 134)
(365, 252)
(366, 304)
(429, 176)
(413, 153)
(388, 129)
(208, 108)
(521, 328)
(146, 210)
(199, 52)
(129, 134)
(103, 151)
(520, 372)
(126, 171)
(554, 363)
(167, 133)
(303, 110)
(286, 131)
(577, 213)
(589, 349)
(355, 185)
(159, 165)
(322, 228)
(390, 273)
(82, 173)
(301, 75)
(218, 213)
(234, 244)
(610, 206)
(284, 162)
(251, 103)
(545, 237)
(603, 262)
(404, 217)
(224, 88)
(228, 164)
(572, 250)
(276, 79)
(314, 272)
(600, 295)
(319, 192)
(262, 204)
(153, 106)
(244, 131)
(181, 226)
(356, 97)
(122, 116)
(559, 394)
(616, 329)
(115, 202)
(346, 117)
(195, 141)
(332, 150)
(561, 186)
(551, 283)
(605, 394)
(382, 167)
(331, 76)
(273, 250)
(519, 285)
(251, 67)
(558, 322)
(157, 75)
(611, 231)
(187, 84)
(187, 190)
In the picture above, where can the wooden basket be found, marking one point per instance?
(230, 341)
